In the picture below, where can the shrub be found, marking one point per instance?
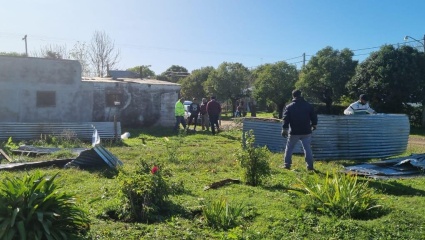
(220, 214)
(253, 160)
(32, 208)
(341, 196)
(144, 192)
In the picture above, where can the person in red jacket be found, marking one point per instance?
(213, 110)
(204, 115)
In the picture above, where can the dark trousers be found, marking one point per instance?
(179, 119)
(193, 116)
(213, 123)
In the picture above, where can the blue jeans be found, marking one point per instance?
(179, 119)
(306, 143)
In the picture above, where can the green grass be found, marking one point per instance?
(270, 211)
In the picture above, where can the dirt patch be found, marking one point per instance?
(416, 140)
(230, 124)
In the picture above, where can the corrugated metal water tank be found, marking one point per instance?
(341, 137)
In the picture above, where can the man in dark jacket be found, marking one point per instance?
(213, 110)
(194, 110)
(300, 117)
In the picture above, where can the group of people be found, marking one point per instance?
(208, 110)
(299, 120)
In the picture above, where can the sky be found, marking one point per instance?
(200, 33)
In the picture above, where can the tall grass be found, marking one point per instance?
(340, 195)
(221, 214)
(32, 208)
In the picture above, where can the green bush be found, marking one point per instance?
(144, 192)
(32, 208)
(253, 160)
(342, 196)
(220, 214)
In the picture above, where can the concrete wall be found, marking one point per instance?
(140, 104)
(20, 80)
(143, 103)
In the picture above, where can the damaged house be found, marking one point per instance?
(39, 90)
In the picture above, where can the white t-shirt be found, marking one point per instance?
(358, 108)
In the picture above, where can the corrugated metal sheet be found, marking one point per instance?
(29, 165)
(96, 157)
(84, 131)
(342, 137)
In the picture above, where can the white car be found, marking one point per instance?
(186, 105)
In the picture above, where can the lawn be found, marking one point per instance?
(270, 211)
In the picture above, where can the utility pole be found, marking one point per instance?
(26, 46)
(303, 60)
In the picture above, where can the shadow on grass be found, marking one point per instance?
(153, 131)
(396, 189)
(106, 172)
(281, 187)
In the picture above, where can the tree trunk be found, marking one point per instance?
(233, 106)
(280, 109)
(329, 106)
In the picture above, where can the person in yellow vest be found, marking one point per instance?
(179, 114)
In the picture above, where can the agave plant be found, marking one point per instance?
(341, 195)
(33, 208)
(220, 214)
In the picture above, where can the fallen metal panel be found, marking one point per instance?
(341, 137)
(412, 165)
(107, 156)
(28, 165)
(96, 157)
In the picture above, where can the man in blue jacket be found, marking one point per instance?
(299, 115)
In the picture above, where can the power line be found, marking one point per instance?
(133, 46)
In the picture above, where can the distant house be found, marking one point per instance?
(50, 90)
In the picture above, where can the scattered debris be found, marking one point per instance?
(410, 166)
(126, 135)
(33, 151)
(221, 183)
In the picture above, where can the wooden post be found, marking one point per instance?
(115, 128)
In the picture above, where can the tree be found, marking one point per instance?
(79, 53)
(52, 51)
(326, 74)
(275, 82)
(102, 53)
(143, 70)
(392, 77)
(228, 81)
(174, 74)
(193, 85)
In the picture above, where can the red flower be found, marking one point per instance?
(154, 169)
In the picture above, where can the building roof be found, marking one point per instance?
(122, 74)
(128, 80)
